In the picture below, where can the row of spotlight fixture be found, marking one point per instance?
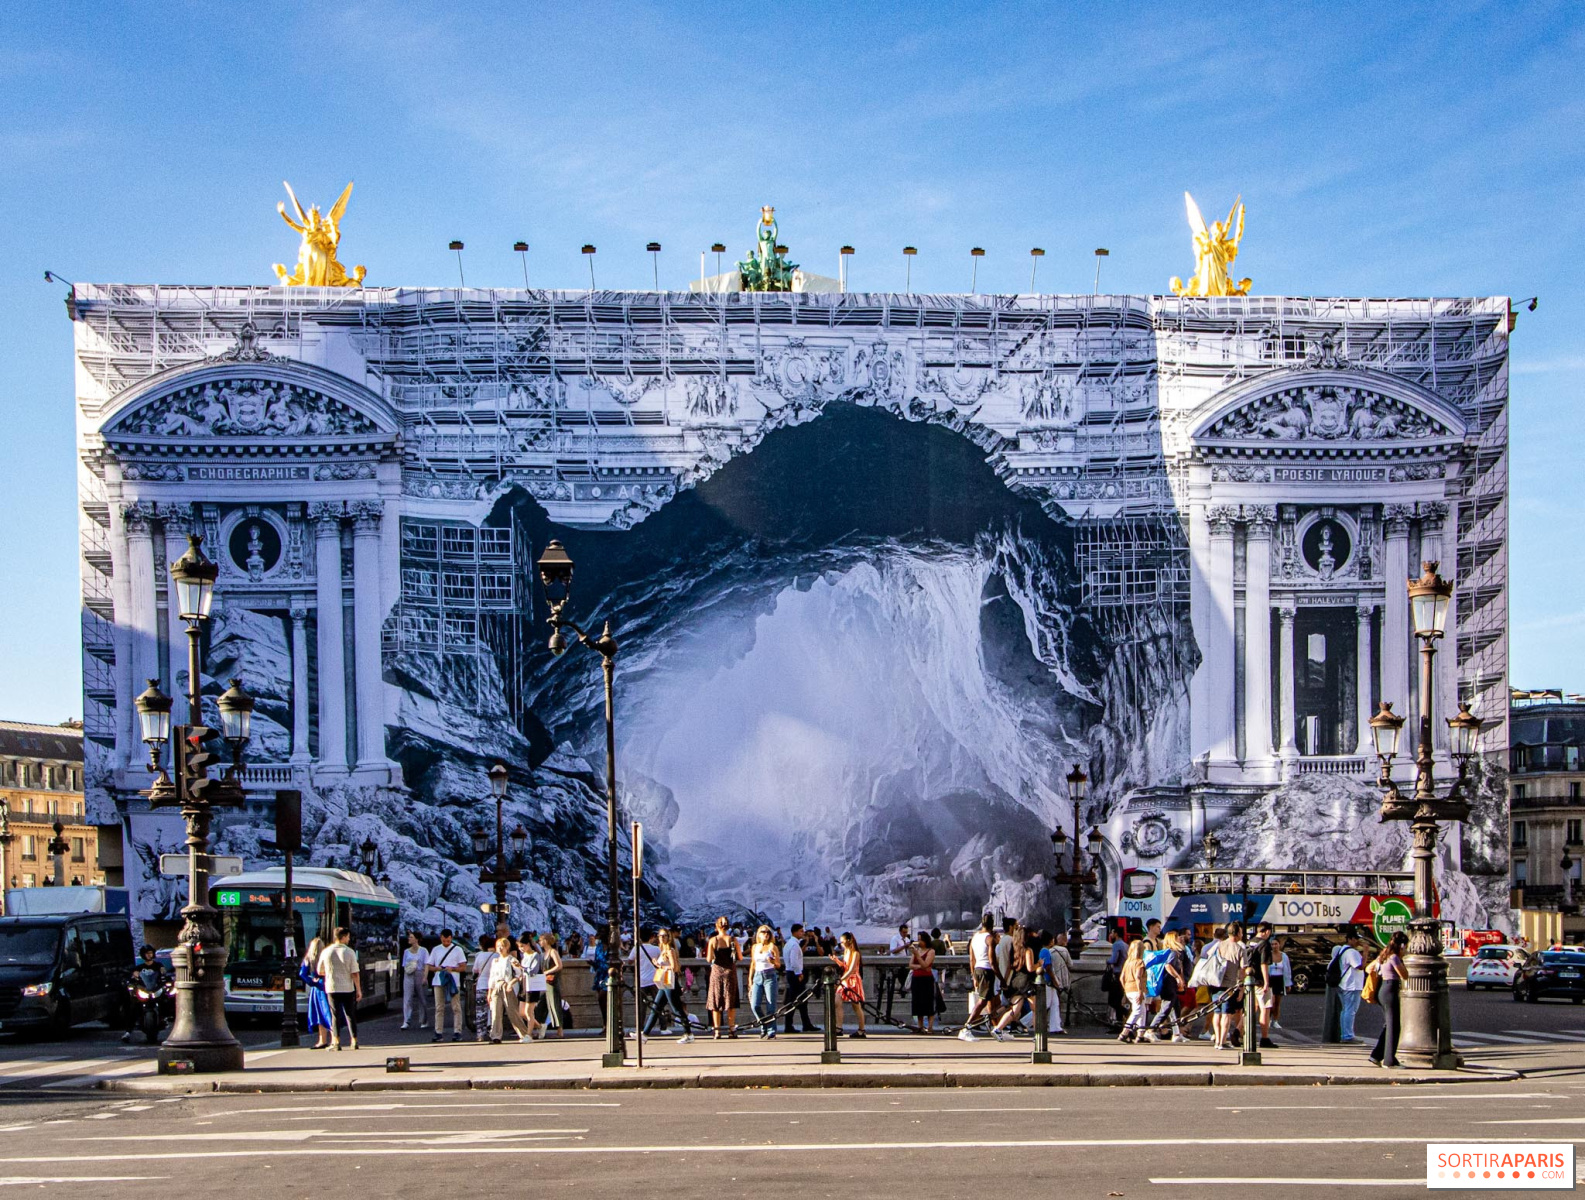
(844, 253)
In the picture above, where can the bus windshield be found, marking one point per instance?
(253, 921)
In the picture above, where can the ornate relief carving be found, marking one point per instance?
(366, 515)
(137, 516)
(1326, 355)
(247, 408)
(882, 371)
(710, 396)
(1261, 518)
(1415, 472)
(1395, 519)
(1050, 396)
(154, 472)
(546, 391)
(327, 514)
(962, 389)
(1221, 518)
(801, 375)
(247, 349)
(1240, 473)
(1327, 414)
(344, 471)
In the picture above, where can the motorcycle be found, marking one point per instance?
(153, 1000)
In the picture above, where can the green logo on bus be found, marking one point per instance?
(1388, 917)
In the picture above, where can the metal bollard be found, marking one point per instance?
(1250, 1055)
(829, 1053)
(1042, 1051)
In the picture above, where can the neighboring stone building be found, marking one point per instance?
(1166, 537)
(1547, 813)
(41, 782)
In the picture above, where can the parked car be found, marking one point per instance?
(1552, 973)
(1494, 966)
(1309, 954)
(61, 970)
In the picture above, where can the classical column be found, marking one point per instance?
(1364, 747)
(1395, 610)
(300, 752)
(1257, 636)
(142, 618)
(366, 632)
(1220, 647)
(1286, 666)
(332, 662)
(1200, 621)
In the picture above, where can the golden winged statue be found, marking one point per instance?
(317, 265)
(1214, 251)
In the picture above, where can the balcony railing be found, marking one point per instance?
(1341, 764)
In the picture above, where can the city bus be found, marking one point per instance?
(253, 922)
(1307, 907)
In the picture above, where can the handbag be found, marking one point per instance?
(1372, 986)
(1205, 974)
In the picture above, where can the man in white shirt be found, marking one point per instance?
(895, 979)
(445, 974)
(338, 964)
(792, 961)
(647, 953)
(982, 969)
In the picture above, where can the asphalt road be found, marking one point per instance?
(1183, 1143)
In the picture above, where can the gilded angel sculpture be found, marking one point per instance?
(1214, 251)
(317, 265)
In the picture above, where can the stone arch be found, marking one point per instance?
(250, 403)
(1360, 407)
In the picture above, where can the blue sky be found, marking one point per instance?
(1381, 149)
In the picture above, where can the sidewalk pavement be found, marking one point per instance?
(881, 1060)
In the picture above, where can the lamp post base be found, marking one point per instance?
(1424, 1009)
(199, 1034)
(609, 1059)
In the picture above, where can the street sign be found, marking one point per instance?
(219, 864)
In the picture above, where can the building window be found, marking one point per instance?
(1521, 872)
(1521, 834)
(1573, 833)
(1573, 790)
(79, 850)
(28, 879)
(1518, 791)
(30, 848)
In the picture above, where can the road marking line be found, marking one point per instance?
(1181, 1180)
(801, 1112)
(40, 1180)
(1529, 1040)
(373, 1108)
(767, 1147)
(1537, 1121)
(1272, 1107)
(301, 1135)
(1473, 1096)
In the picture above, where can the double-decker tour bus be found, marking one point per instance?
(1308, 907)
(253, 921)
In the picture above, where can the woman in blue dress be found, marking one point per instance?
(318, 1004)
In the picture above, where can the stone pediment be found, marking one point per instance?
(1337, 410)
(251, 402)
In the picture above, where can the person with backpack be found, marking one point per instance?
(445, 965)
(1350, 965)
(1165, 973)
(1257, 962)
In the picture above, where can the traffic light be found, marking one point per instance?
(193, 763)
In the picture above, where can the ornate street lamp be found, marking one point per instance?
(199, 1034)
(154, 721)
(1427, 1018)
(57, 848)
(555, 576)
(369, 855)
(1079, 873)
(505, 869)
